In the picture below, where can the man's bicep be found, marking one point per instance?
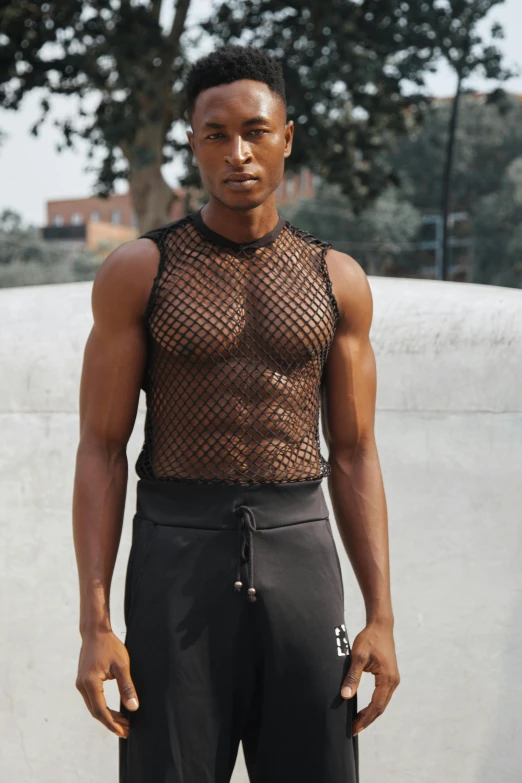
(115, 352)
(349, 392)
(350, 383)
(110, 386)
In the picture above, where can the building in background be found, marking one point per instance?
(101, 224)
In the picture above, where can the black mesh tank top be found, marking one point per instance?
(237, 339)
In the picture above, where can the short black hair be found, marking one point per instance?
(229, 63)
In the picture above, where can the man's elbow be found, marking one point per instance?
(346, 454)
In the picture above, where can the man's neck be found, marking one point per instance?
(241, 226)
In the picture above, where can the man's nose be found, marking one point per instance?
(239, 152)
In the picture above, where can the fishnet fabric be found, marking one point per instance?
(237, 339)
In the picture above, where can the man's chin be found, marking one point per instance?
(241, 202)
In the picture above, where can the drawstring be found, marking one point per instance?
(247, 527)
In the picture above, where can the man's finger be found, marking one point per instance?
(124, 722)
(380, 698)
(99, 708)
(128, 693)
(353, 675)
(85, 695)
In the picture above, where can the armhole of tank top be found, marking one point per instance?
(158, 238)
(324, 267)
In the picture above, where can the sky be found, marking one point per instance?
(32, 171)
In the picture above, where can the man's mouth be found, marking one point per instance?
(243, 177)
(240, 181)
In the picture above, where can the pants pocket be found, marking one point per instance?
(144, 533)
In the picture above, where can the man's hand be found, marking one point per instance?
(104, 657)
(373, 650)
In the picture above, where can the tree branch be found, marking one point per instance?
(156, 9)
(178, 25)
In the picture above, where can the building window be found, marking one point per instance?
(116, 217)
(76, 219)
(95, 217)
(57, 220)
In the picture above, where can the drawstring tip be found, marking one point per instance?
(251, 593)
(238, 585)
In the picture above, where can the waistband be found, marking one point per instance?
(245, 508)
(214, 506)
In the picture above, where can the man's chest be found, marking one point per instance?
(275, 310)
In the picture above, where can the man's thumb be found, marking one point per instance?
(126, 687)
(353, 678)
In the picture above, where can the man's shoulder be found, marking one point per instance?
(350, 286)
(124, 279)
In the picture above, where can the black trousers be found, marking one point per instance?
(234, 609)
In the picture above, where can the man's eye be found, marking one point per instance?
(214, 135)
(259, 130)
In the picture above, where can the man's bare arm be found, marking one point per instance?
(355, 483)
(113, 364)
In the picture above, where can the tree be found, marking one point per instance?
(352, 59)
(497, 223)
(488, 140)
(380, 237)
(349, 66)
(118, 52)
(465, 52)
(387, 42)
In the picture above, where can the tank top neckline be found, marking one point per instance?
(219, 239)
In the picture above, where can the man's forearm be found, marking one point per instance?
(359, 504)
(98, 504)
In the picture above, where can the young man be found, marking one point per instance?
(242, 330)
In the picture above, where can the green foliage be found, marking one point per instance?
(27, 259)
(117, 52)
(21, 244)
(381, 238)
(488, 144)
(489, 137)
(459, 41)
(497, 225)
(349, 67)
(346, 63)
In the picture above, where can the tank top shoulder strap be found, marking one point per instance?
(159, 235)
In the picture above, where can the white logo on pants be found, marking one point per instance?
(343, 648)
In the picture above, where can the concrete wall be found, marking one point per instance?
(449, 433)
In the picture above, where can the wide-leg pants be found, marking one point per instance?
(235, 628)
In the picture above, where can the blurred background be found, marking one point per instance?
(408, 156)
(408, 150)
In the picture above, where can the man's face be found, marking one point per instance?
(240, 139)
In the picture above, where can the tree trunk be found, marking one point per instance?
(151, 197)
(446, 183)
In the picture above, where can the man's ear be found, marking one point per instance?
(289, 136)
(190, 137)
